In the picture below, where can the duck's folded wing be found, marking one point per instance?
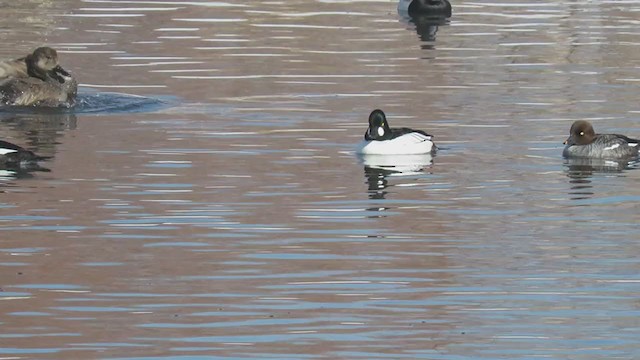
(13, 68)
(630, 141)
(613, 141)
(404, 131)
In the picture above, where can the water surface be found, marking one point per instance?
(204, 202)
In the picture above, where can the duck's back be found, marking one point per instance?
(13, 68)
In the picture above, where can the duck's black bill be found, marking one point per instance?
(59, 70)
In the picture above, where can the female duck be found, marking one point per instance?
(42, 64)
(37, 80)
(380, 139)
(14, 156)
(583, 142)
(432, 8)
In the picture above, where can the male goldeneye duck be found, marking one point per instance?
(583, 142)
(380, 139)
(433, 8)
(37, 80)
(14, 156)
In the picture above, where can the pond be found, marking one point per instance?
(204, 200)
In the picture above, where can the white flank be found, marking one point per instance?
(633, 144)
(614, 146)
(411, 143)
(5, 151)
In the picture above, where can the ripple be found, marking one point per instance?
(110, 103)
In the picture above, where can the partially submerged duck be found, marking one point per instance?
(37, 80)
(14, 156)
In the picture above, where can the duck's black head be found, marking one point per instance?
(378, 126)
(581, 133)
(439, 8)
(43, 64)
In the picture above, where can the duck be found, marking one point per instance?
(15, 156)
(432, 8)
(41, 64)
(583, 142)
(37, 80)
(380, 139)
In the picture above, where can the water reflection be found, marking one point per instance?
(377, 168)
(585, 168)
(580, 171)
(426, 26)
(229, 227)
(15, 173)
(38, 131)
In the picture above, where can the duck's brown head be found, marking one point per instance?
(43, 64)
(581, 133)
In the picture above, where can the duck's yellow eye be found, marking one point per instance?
(581, 133)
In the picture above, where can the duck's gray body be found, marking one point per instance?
(604, 146)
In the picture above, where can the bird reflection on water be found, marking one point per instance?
(38, 131)
(379, 168)
(426, 25)
(581, 170)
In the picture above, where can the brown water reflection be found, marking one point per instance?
(234, 221)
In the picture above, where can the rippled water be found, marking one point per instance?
(204, 201)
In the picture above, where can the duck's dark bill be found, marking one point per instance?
(59, 70)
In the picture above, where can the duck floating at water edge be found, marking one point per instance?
(380, 139)
(583, 142)
(14, 156)
(37, 80)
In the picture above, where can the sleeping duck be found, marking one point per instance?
(37, 80)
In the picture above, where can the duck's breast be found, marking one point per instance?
(411, 143)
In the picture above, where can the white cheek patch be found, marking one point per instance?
(5, 151)
(380, 131)
(614, 146)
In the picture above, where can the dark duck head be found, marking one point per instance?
(581, 133)
(378, 126)
(43, 64)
